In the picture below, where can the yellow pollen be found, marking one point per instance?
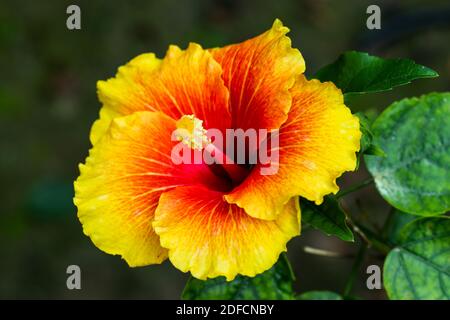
(190, 132)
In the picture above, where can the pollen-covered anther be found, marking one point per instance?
(190, 131)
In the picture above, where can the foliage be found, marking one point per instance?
(418, 268)
(358, 73)
(275, 283)
(328, 217)
(415, 134)
(319, 295)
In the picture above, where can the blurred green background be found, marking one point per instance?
(48, 103)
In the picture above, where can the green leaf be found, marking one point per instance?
(358, 72)
(414, 177)
(375, 150)
(397, 220)
(367, 144)
(319, 295)
(328, 218)
(273, 284)
(367, 136)
(420, 267)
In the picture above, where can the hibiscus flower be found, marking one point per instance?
(212, 220)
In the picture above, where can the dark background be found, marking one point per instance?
(48, 103)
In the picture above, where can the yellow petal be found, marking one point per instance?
(120, 184)
(259, 73)
(125, 93)
(210, 238)
(317, 144)
(186, 82)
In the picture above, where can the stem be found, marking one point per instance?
(288, 263)
(372, 239)
(388, 223)
(355, 269)
(325, 253)
(365, 218)
(354, 188)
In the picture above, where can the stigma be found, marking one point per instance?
(190, 131)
